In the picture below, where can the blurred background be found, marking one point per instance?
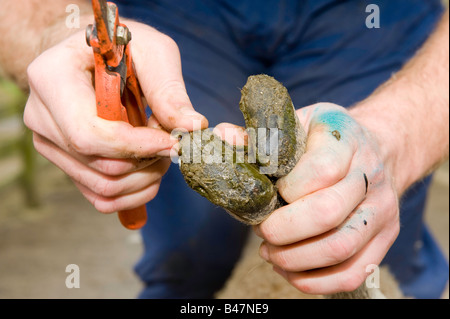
(46, 224)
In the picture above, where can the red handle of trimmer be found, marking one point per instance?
(113, 102)
(110, 106)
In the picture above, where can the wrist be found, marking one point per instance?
(409, 114)
(43, 24)
(59, 31)
(383, 116)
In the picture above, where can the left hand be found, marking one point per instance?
(342, 213)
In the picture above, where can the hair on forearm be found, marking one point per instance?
(28, 27)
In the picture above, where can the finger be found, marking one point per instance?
(73, 109)
(232, 134)
(109, 205)
(38, 119)
(368, 220)
(107, 166)
(158, 68)
(153, 122)
(346, 276)
(129, 183)
(98, 183)
(35, 114)
(373, 219)
(328, 249)
(113, 166)
(327, 159)
(316, 213)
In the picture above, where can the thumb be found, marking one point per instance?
(158, 67)
(329, 151)
(232, 134)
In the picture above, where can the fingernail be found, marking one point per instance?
(164, 153)
(187, 111)
(264, 252)
(198, 120)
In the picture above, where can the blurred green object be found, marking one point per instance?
(12, 103)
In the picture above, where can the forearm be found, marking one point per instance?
(409, 113)
(28, 27)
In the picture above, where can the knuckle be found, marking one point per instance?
(288, 193)
(350, 281)
(339, 248)
(27, 121)
(105, 209)
(378, 175)
(394, 231)
(326, 212)
(112, 167)
(393, 211)
(170, 92)
(79, 143)
(283, 259)
(390, 204)
(36, 73)
(325, 168)
(33, 71)
(302, 285)
(357, 131)
(267, 231)
(168, 42)
(107, 188)
(392, 200)
(153, 193)
(27, 115)
(171, 85)
(105, 206)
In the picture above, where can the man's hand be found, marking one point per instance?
(343, 194)
(343, 210)
(115, 166)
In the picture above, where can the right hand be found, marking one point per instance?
(114, 165)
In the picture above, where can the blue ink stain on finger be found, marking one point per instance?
(335, 120)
